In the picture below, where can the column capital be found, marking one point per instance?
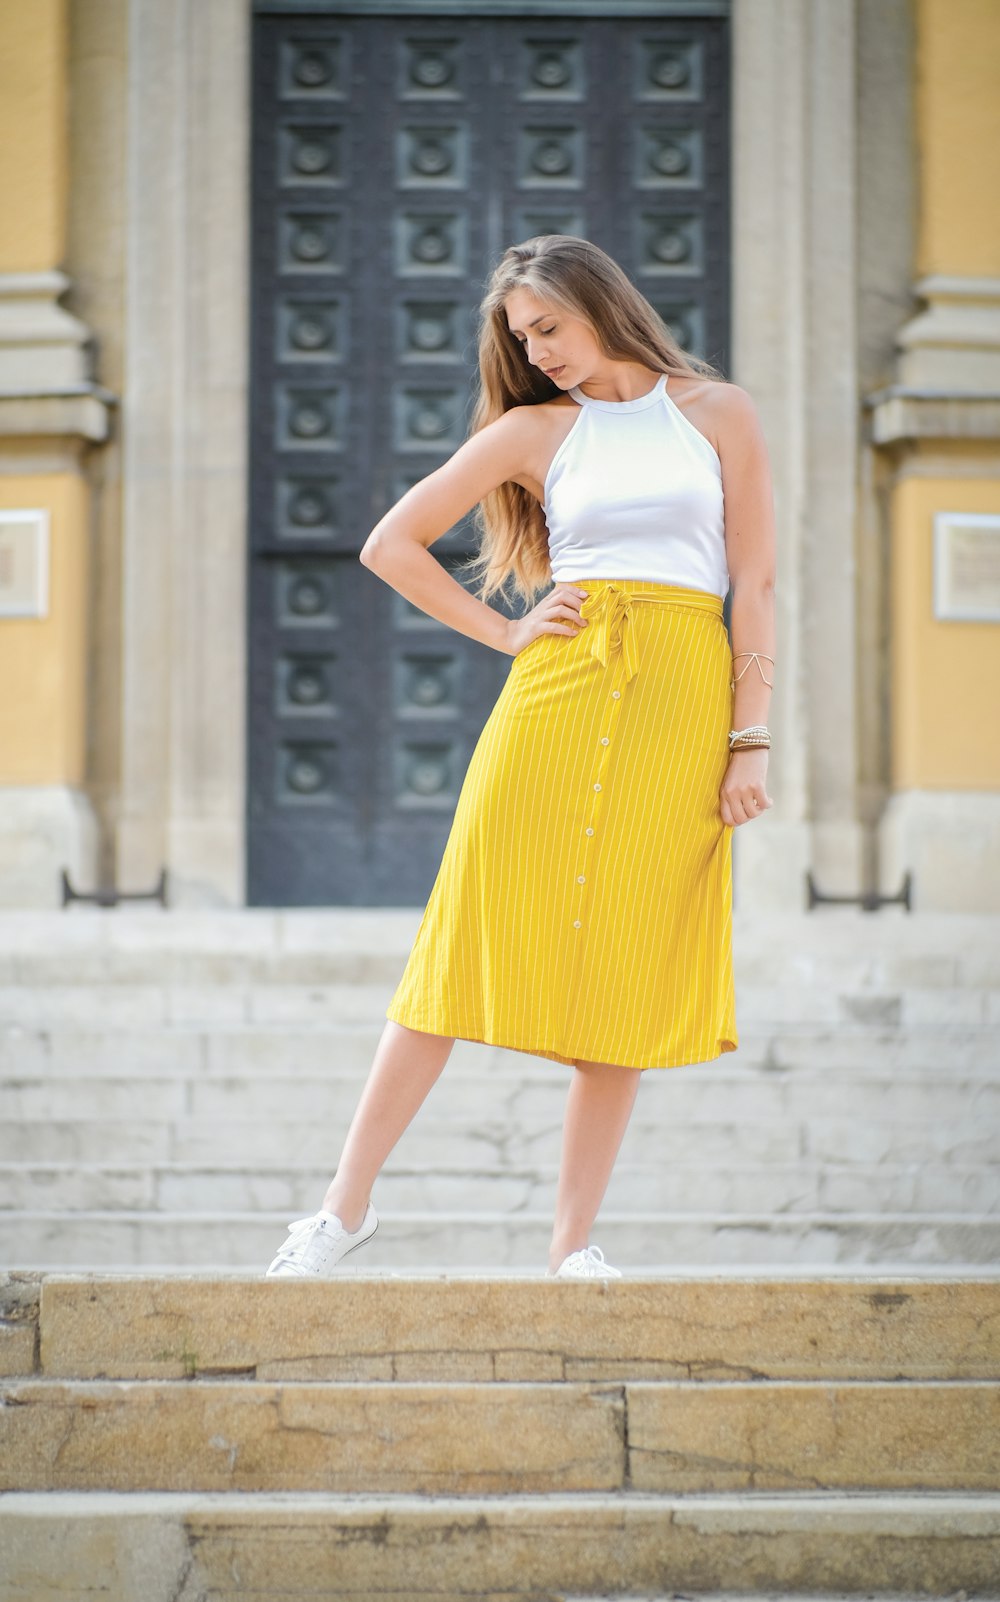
(952, 345)
(46, 386)
(948, 367)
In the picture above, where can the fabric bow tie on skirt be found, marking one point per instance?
(612, 623)
(610, 627)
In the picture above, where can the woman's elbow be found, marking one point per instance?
(757, 583)
(372, 551)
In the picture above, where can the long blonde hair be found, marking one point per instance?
(585, 281)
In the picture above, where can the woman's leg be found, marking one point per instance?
(406, 1064)
(601, 1098)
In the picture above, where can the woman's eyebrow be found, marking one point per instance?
(534, 320)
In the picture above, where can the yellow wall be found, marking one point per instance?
(43, 660)
(945, 676)
(958, 135)
(33, 148)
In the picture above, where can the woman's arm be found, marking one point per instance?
(751, 559)
(398, 547)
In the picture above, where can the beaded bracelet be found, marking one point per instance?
(757, 734)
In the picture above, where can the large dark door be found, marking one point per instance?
(394, 157)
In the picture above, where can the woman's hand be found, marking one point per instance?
(743, 795)
(564, 600)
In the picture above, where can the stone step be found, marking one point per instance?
(807, 941)
(115, 1006)
(428, 1143)
(680, 1187)
(453, 1439)
(487, 1241)
(723, 1326)
(177, 1547)
(795, 955)
(492, 1143)
(220, 1050)
(691, 1097)
(324, 1003)
(458, 1439)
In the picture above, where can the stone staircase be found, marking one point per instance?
(180, 1440)
(796, 1391)
(174, 1087)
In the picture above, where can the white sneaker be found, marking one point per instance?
(316, 1245)
(586, 1264)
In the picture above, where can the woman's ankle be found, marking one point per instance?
(560, 1250)
(345, 1207)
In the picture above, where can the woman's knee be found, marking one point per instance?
(587, 1066)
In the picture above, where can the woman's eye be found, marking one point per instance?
(547, 331)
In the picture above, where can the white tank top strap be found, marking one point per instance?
(635, 491)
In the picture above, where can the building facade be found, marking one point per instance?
(239, 259)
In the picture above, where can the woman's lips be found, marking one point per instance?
(553, 372)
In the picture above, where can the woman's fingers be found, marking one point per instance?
(741, 807)
(560, 605)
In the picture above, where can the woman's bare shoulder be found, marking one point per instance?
(534, 413)
(727, 400)
(724, 412)
(536, 423)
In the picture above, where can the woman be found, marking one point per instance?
(582, 909)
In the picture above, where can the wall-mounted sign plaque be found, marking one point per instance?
(24, 563)
(967, 567)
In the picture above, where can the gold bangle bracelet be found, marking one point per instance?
(755, 656)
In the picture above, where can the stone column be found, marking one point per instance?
(184, 423)
(794, 291)
(98, 40)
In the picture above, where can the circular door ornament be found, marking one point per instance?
(306, 775)
(311, 242)
(551, 70)
(307, 597)
(669, 246)
(309, 508)
(431, 70)
(668, 70)
(429, 334)
(670, 159)
(313, 69)
(312, 156)
(311, 331)
(306, 685)
(552, 159)
(432, 246)
(309, 420)
(427, 777)
(431, 158)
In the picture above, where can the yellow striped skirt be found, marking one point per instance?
(582, 910)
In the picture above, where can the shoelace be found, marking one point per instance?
(299, 1232)
(591, 1259)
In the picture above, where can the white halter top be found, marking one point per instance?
(635, 491)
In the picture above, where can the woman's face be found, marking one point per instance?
(564, 347)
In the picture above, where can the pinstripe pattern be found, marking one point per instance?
(600, 762)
